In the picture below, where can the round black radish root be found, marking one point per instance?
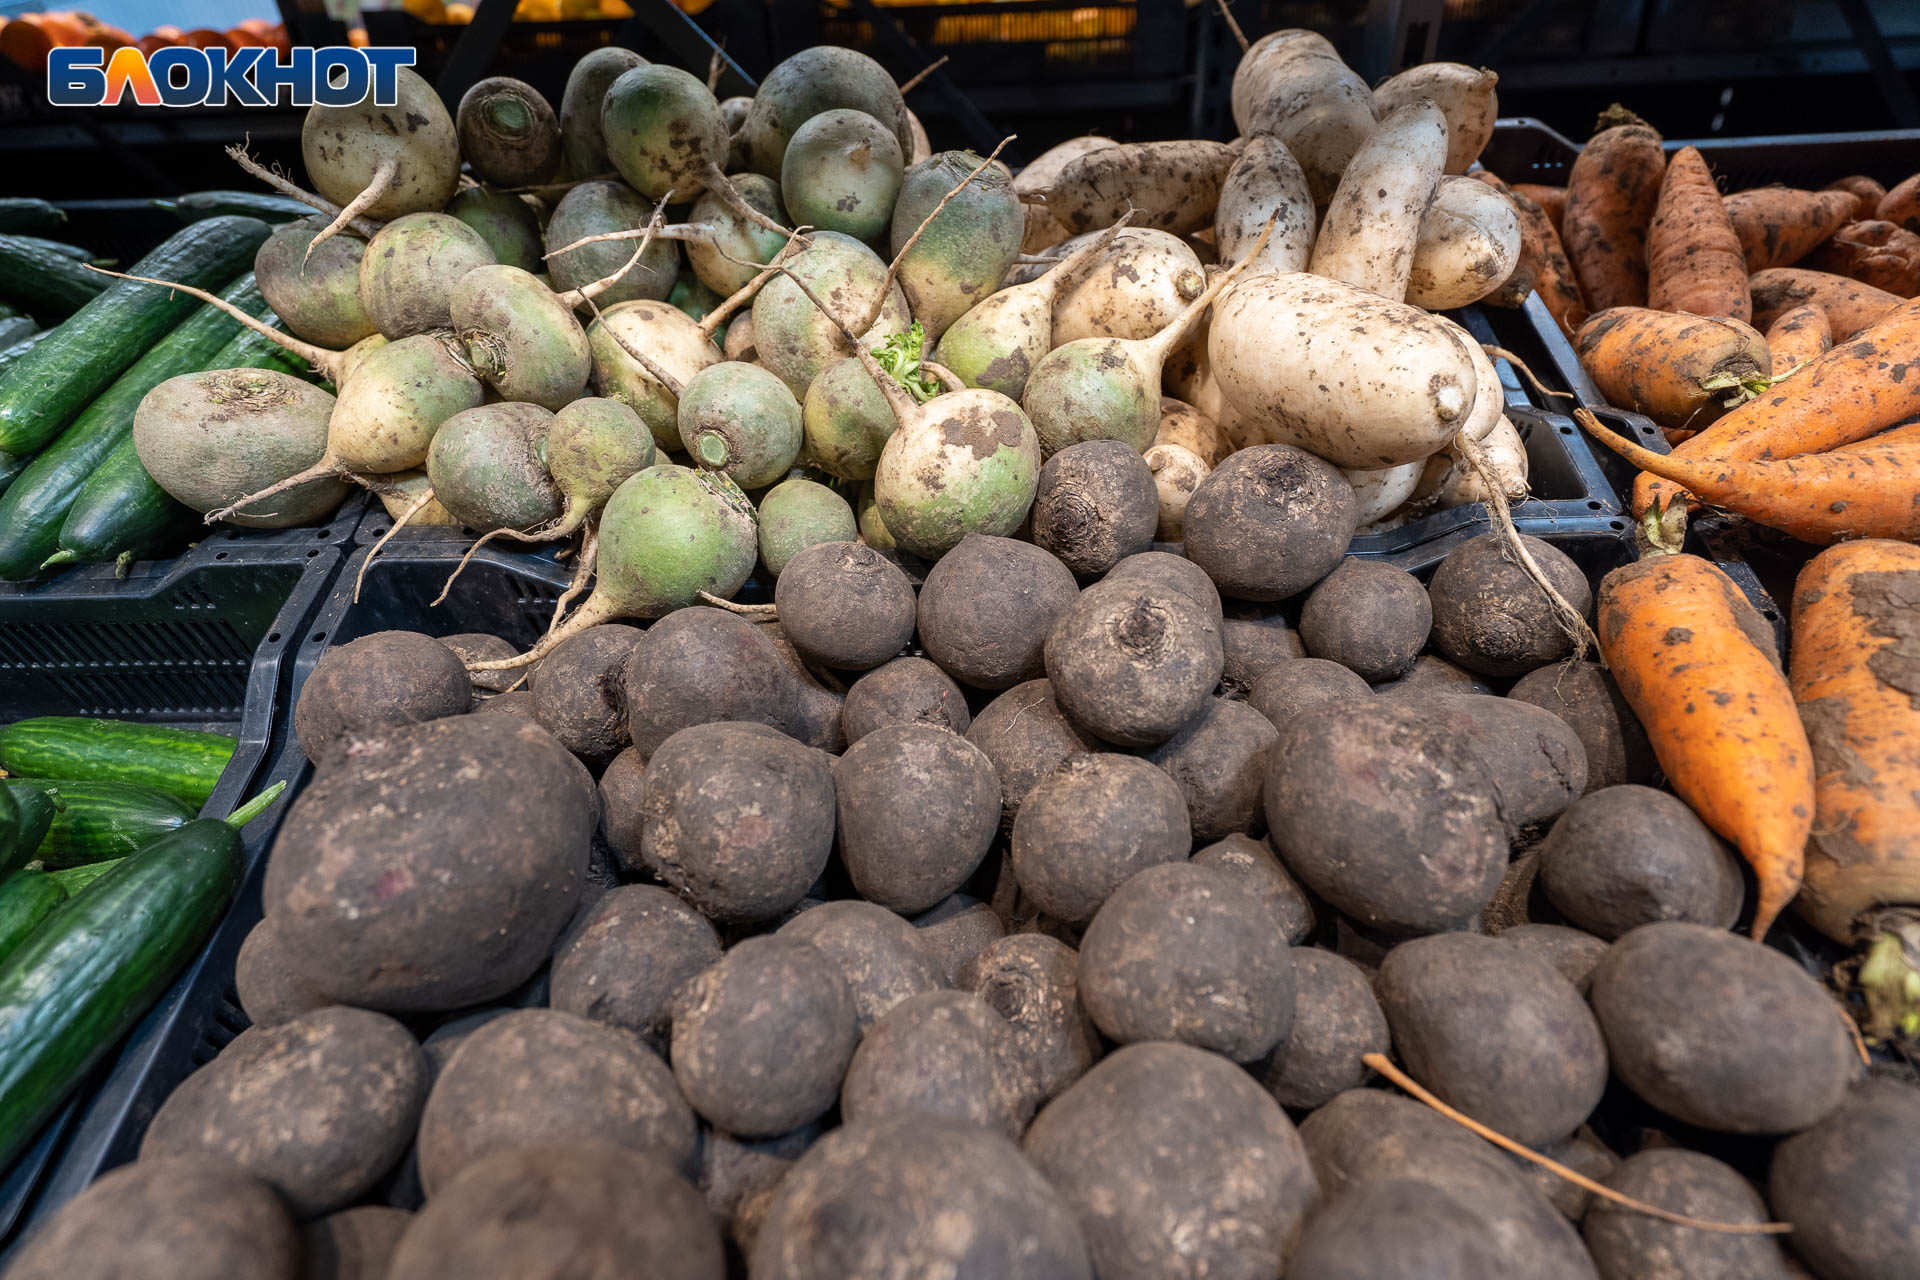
(597, 1084)
(987, 606)
(741, 420)
(1497, 1033)
(509, 135)
(846, 420)
(1537, 762)
(520, 337)
(1090, 825)
(1267, 879)
(211, 439)
(1033, 982)
(1394, 1229)
(1095, 506)
(537, 1212)
(1336, 1022)
(1851, 1184)
(506, 222)
(810, 82)
(487, 469)
(1132, 663)
(1625, 1242)
(956, 930)
(270, 992)
(1219, 762)
(917, 1195)
(879, 954)
(387, 678)
(1383, 811)
(1748, 1043)
(595, 208)
(576, 691)
(793, 338)
(1493, 619)
(842, 172)
(626, 959)
(738, 1176)
(1181, 952)
(317, 295)
(1269, 522)
(353, 1244)
(816, 708)
(1293, 687)
(1370, 617)
(1025, 735)
(762, 1039)
(1176, 573)
(844, 605)
(319, 1107)
(583, 146)
(918, 808)
(737, 819)
(381, 162)
(724, 254)
(410, 269)
(673, 343)
(697, 666)
(479, 646)
(1585, 696)
(1432, 674)
(1157, 1137)
(196, 1217)
(1253, 647)
(966, 250)
(1627, 856)
(904, 691)
(798, 514)
(1573, 952)
(940, 1053)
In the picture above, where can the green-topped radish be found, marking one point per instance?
(799, 513)
(521, 337)
(1109, 388)
(317, 295)
(793, 337)
(1134, 289)
(950, 257)
(509, 135)
(643, 354)
(724, 249)
(488, 467)
(808, 83)
(742, 420)
(1263, 181)
(381, 162)
(593, 445)
(842, 172)
(595, 208)
(845, 420)
(1169, 186)
(506, 222)
(411, 267)
(665, 133)
(583, 147)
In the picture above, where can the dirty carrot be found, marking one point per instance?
(1543, 267)
(1698, 667)
(1778, 226)
(1870, 191)
(1694, 260)
(1683, 371)
(1611, 194)
(1552, 200)
(1850, 305)
(1797, 338)
(1873, 252)
(1900, 206)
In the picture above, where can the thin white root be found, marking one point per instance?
(767, 611)
(320, 470)
(588, 292)
(715, 65)
(1569, 618)
(1234, 27)
(640, 358)
(675, 231)
(582, 575)
(382, 177)
(287, 187)
(326, 363)
(914, 81)
(745, 294)
(419, 505)
(1384, 1065)
(721, 185)
(893, 268)
(1501, 353)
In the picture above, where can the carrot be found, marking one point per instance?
(1694, 260)
(1611, 193)
(1778, 226)
(1856, 676)
(1850, 305)
(1699, 669)
(1869, 190)
(1798, 337)
(1683, 371)
(1852, 392)
(1542, 267)
(1552, 200)
(1901, 206)
(1876, 253)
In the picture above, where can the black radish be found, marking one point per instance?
(664, 132)
(740, 419)
(508, 133)
(382, 162)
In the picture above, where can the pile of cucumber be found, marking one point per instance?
(109, 885)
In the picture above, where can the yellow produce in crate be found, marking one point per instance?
(459, 15)
(537, 11)
(426, 10)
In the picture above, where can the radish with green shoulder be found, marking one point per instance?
(664, 132)
(380, 162)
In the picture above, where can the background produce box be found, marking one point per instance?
(1526, 150)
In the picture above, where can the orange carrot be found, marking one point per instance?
(1901, 206)
(1855, 674)
(1683, 371)
(1699, 669)
(1543, 266)
(1694, 260)
(1797, 338)
(1869, 190)
(1778, 226)
(1552, 200)
(1876, 253)
(1611, 193)
(1850, 305)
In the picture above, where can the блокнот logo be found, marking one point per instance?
(335, 76)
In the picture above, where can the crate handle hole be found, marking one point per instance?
(1615, 524)
(273, 637)
(219, 555)
(312, 553)
(317, 637)
(1566, 431)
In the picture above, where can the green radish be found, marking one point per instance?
(842, 172)
(796, 514)
(873, 530)
(692, 296)
(98, 820)
(740, 419)
(521, 337)
(846, 421)
(598, 208)
(964, 252)
(506, 222)
(185, 763)
(382, 162)
(643, 354)
(796, 340)
(666, 136)
(411, 269)
(488, 467)
(509, 135)
(812, 81)
(583, 147)
(26, 814)
(667, 536)
(316, 295)
(26, 899)
(724, 249)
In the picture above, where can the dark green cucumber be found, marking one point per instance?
(35, 505)
(49, 386)
(12, 354)
(253, 204)
(181, 762)
(41, 280)
(25, 817)
(102, 820)
(62, 248)
(27, 898)
(99, 962)
(73, 879)
(11, 465)
(23, 215)
(14, 328)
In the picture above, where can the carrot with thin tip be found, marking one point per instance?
(1694, 260)
(1901, 206)
(1683, 371)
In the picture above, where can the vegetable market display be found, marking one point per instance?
(1001, 894)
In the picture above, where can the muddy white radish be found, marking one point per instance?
(1465, 94)
(1170, 186)
(1373, 221)
(1293, 86)
(1265, 181)
(1467, 245)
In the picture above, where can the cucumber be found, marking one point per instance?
(26, 899)
(181, 762)
(253, 204)
(35, 505)
(99, 962)
(64, 249)
(41, 280)
(25, 817)
(102, 820)
(49, 386)
(14, 328)
(11, 465)
(73, 879)
(21, 214)
(11, 355)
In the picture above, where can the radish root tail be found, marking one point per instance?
(1234, 27)
(326, 363)
(893, 268)
(543, 533)
(758, 611)
(796, 240)
(1564, 613)
(318, 471)
(419, 505)
(721, 185)
(915, 80)
(382, 178)
(588, 292)
(582, 574)
(287, 187)
(1539, 388)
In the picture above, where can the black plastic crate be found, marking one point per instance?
(1523, 149)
